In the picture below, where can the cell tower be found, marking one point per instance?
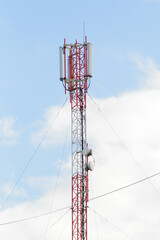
(75, 74)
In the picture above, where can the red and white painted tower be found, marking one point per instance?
(75, 74)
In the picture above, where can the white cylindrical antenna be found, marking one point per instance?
(89, 60)
(68, 63)
(61, 63)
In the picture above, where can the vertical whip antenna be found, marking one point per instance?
(84, 31)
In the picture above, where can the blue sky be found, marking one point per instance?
(125, 36)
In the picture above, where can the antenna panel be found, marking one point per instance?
(61, 62)
(89, 60)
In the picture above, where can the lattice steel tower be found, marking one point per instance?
(75, 74)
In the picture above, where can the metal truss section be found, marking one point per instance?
(79, 174)
(74, 74)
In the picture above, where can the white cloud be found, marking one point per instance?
(19, 192)
(132, 119)
(151, 72)
(44, 183)
(8, 134)
(149, 80)
(35, 228)
(53, 126)
(136, 211)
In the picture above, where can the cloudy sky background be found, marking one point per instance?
(122, 117)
